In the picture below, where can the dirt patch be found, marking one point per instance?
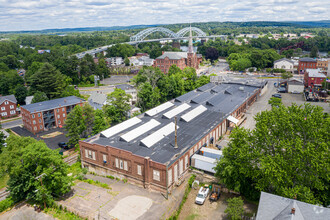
(210, 210)
(51, 135)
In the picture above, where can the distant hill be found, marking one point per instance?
(325, 23)
(297, 24)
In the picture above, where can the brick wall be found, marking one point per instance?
(8, 109)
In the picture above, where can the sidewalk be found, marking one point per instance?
(10, 119)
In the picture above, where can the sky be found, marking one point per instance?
(46, 14)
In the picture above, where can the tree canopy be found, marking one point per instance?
(29, 159)
(286, 154)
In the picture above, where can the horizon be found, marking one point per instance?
(32, 15)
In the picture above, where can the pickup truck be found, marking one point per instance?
(201, 196)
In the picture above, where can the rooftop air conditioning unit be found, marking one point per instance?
(241, 88)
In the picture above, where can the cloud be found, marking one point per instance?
(45, 14)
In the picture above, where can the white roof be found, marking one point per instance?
(158, 135)
(120, 127)
(315, 73)
(170, 114)
(203, 158)
(140, 130)
(193, 113)
(210, 150)
(232, 119)
(158, 109)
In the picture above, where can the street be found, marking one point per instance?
(11, 124)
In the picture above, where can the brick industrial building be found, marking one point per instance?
(306, 63)
(313, 77)
(180, 59)
(8, 106)
(143, 149)
(45, 115)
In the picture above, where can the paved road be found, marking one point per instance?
(11, 124)
(22, 212)
(260, 105)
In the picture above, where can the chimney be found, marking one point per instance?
(176, 135)
(293, 211)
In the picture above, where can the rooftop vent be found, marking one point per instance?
(241, 88)
(293, 211)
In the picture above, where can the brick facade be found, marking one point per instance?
(8, 109)
(303, 65)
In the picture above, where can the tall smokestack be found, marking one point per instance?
(176, 135)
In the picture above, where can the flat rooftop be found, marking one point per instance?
(152, 135)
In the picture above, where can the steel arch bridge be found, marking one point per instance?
(143, 34)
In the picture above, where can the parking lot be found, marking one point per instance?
(50, 140)
(122, 201)
(116, 79)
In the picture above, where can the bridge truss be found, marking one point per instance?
(143, 34)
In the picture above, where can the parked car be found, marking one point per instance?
(63, 145)
(277, 95)
(202, 194)
(281, 90)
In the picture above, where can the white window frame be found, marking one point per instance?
(104, 157)
(156, 175)
(33, 116)
(11, 106)
(6, 102)
(59, 122)
(4, 114)
(186, 162)
(39, 115)
(139, 170)
(121, 164)
(117, 162)
(40, 126)
(35, 128)
(125, 165)
(63, 115)
(3, 108)
(94, 158)
(90, 155)
(58, 116)
(63, 109)
(34, 122)
(180, 167)
(86, 153)
(12, 112)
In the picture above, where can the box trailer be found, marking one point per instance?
(203, 163)
(212, 153)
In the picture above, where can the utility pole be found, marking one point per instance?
(176, 135)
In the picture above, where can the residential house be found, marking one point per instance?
(97, 100)
(129, 89)
(8, 105)
(295, 86)
(273, 207)
(313, 77)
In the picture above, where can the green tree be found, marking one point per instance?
(147, 96)
(75, 125)
(235, 208)
(39, 97)
(118, 107)
(287, 154)
(126, 61)
(49, 80)
(314, 52)
(28, 160)
(286, 75)
(9, 81)
(100, 123)
(88, 117)
(102, 69)
(20, 94)
(35, 66)
(275, 102)
(2, 140)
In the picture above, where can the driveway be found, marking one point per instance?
(122, 201)
(24, 212)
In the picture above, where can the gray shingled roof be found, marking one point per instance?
(7, 97)
(284, 59)
(308, 59)
(125, 87)
(173, 55)
(51, 104)
(273, 207)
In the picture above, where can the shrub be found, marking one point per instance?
(6, 203)
(110, 177)
(235, 208)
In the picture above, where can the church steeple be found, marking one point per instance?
(190, 48)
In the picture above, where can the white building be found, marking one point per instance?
(114, 61)
(129, 90)
(295, 86)
(285, 64)
(141, 61)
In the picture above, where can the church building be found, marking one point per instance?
(180, 59)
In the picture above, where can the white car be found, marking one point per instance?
(201, 196)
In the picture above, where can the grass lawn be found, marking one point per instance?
(3, 181)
